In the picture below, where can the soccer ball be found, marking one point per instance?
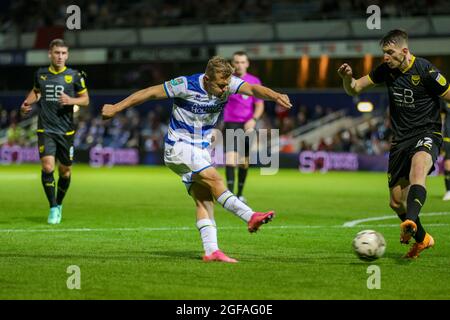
(369, 245)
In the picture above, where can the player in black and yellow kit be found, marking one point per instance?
(415, 87)
(56, 90)
(445, 110)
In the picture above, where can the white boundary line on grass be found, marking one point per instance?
(52, 230)
(392, 216)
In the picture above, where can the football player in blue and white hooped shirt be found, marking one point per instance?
(197, 103)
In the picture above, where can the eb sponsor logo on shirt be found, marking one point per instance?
(52, 92)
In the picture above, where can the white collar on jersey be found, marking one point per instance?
(200, 80)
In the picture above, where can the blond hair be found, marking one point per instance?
(218, 65)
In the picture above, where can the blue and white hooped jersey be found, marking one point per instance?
(195, 113)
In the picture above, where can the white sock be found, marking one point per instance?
(208, 233)
(230, 202)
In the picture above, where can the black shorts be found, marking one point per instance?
(58, 145)
(231, 145)
(401, 154)
(446, 147)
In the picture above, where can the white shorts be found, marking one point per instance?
(185, 159)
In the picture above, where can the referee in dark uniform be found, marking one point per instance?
(445, 110)
(57, 89)
(415, 87)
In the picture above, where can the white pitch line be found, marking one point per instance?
(192, 229)
(392, 216)
(149, 229)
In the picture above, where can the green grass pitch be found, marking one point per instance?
(131, 230)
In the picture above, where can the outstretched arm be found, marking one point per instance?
(351, 85)
(265, 94)
(139, 97)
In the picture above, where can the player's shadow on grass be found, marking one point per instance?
(389, 257)
(397, 257)
(333, 259)
(143, 255)
(190, 255)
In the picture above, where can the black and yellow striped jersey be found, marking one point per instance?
(53, 117)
